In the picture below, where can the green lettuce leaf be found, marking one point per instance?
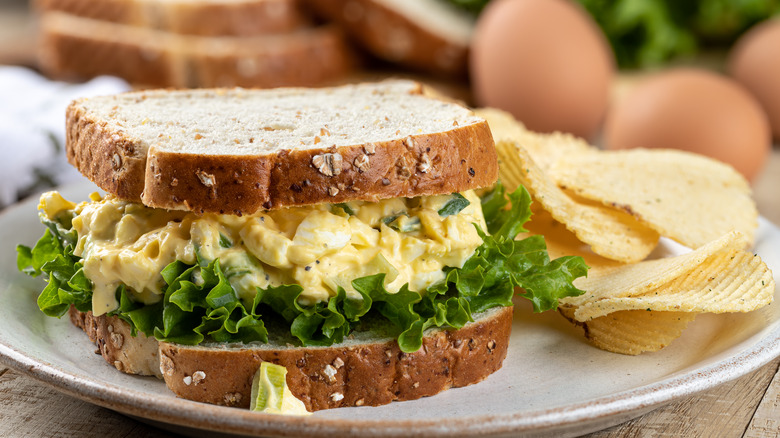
(53, 256)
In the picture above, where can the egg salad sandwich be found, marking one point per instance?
(336, 232)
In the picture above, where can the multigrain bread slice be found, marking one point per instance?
(367, 369)
(190, 17)
(115, 342)
(428, 35)
(75, 47)
(238, 151)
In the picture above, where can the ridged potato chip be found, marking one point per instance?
(632, 331)
(611, 207)
(642, 307)
(641, 278)
(729, 281)
(610, 233)
(544, 149)
(562, 242)
(687, 197)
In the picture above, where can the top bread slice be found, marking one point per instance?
(190, 17)
(237, 151)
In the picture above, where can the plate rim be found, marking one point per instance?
(598, 410)
(201, 415)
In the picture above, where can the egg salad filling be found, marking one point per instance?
(415, 263)
(321, 247)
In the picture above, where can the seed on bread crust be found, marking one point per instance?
(362, 163)
(206, 179)
(167, 366)
(330, 373)
(232, 399)
(425, 163)
(403, 167)
(117, 340)
(116, 161)
(328, 164)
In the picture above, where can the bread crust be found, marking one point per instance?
(389, 35)
(459, 159)
(370, 374)
(358, 374)
(319, 57)
(112, 336)
(72, 55)
(153, 58)
(111, 160)
(204, 18)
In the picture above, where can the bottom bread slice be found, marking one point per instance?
(115, 342)
(367, 369)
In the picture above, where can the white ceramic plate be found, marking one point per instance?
(552, 382)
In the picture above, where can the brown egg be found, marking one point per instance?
(755, 63)
(693, 110)
(544, 61)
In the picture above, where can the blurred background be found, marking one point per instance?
(699, 75)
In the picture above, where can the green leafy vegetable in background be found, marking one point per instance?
(472, 6)
(644, 33)
(641, 32)
(648, 32)
(200, 304)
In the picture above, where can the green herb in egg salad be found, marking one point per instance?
(416, 263)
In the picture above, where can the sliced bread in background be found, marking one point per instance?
(190, 17)
(428, 35)
(73, 47)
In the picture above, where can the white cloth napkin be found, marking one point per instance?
(32, 129)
